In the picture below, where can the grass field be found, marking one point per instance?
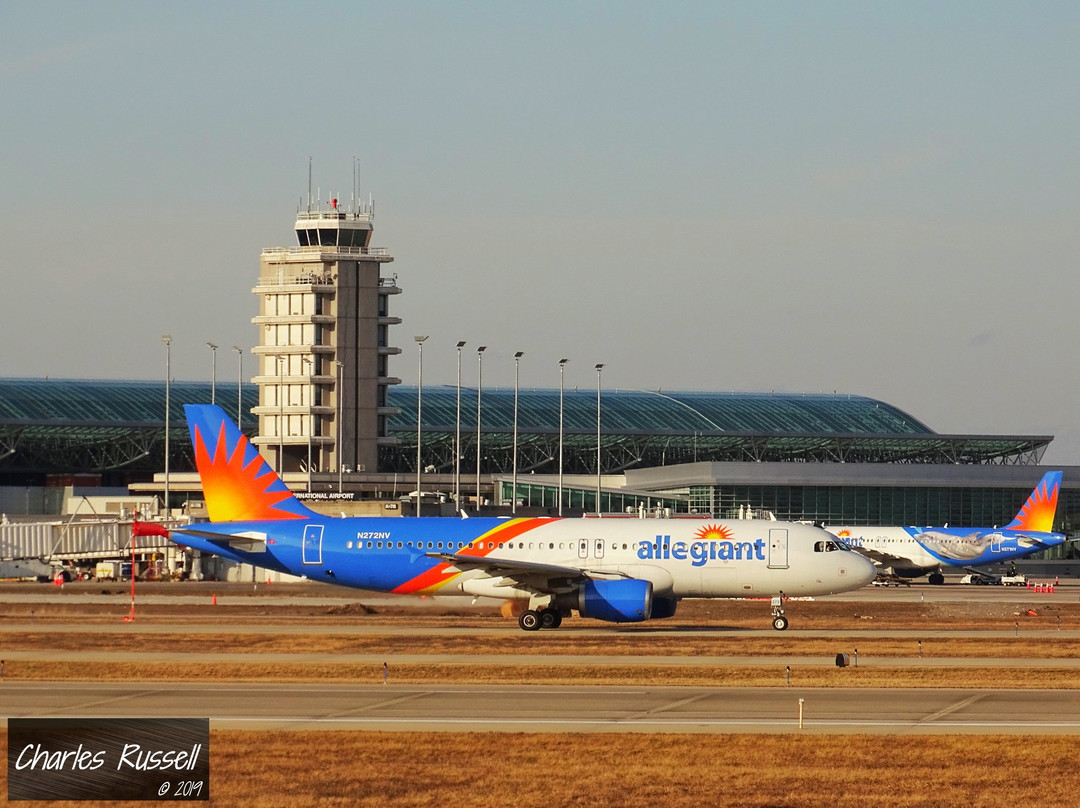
(414, 770)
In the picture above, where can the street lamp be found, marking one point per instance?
(562, 367)
(599, 368)
(281, 416)
(457, 434)
(307, 360)
(167, 339)
(239, 385)
(213, 371)
(513, 486)
(419, 406)
(479, 387)
(340, 418)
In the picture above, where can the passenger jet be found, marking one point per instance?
(909, 552)
(616, 570)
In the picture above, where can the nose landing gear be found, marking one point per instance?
(779, 621)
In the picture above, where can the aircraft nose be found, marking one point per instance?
(863, 571)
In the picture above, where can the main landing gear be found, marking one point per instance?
(536, 619)
(779, 622)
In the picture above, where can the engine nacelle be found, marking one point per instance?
(622, 601)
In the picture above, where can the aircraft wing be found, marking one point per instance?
(247, 542)
(882, 559)
(516, 571)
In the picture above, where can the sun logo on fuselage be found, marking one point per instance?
(714, 533)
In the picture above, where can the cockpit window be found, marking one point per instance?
(828, 546)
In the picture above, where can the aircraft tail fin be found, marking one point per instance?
(1037, 514)
(238, 484)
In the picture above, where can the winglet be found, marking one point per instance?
(1037, 514)
(238, 484)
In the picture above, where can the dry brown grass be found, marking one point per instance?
(552, 644)
(429, 770)
(720, 615)
(821, 675)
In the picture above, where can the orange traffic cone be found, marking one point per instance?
(213, 599)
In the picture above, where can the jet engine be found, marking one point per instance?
(622, 601)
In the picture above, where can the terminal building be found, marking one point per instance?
(325, 410)
(829, 458)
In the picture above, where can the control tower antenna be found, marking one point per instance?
(309, 184)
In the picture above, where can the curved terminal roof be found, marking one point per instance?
(81, 426)
(654, 411)
(110, 403)
(104, 402)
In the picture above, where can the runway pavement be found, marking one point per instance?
(539, 708)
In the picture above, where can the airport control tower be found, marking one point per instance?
(323, 346)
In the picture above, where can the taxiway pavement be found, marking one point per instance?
(539, 708)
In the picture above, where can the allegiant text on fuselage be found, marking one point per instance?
(702, 552)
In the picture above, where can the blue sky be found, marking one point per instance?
(877, 199)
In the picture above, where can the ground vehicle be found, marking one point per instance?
(1013, 580)
(890, 580)
(112, 570)
(979, 579)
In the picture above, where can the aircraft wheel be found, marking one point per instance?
(936, 578)
(550, 618)
(779, 623)
(529, 620)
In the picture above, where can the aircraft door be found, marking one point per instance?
(778, 548)
(312, 545)
(583, 548)
(599, 552)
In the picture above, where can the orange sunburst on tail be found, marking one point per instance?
(237, 483)
(714, 533)
(1037, 514)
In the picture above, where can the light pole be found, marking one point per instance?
(599, 368)
(168, 372)
(457, 434)
(513, 486)
(340, 417)
(479, 387)
(562, 368)
(239, 386)
(419, 408)
(311, 415)
(213, 372)
(281, 417)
